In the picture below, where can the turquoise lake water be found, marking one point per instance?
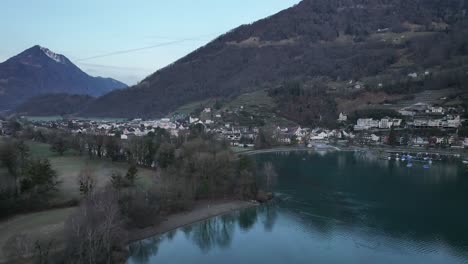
(342, 207)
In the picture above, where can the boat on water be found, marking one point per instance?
(465, 162)
(409, 165)
(426, 166)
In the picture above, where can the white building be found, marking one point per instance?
(301, 132)
(386, 123)
(320, 136)
(406, 112)
(342, 118)
(413, 75)
(437, 110)
(453, 122)
(366, 124)
(434, 123)
(193, 120)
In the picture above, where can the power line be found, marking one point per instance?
(139, 49)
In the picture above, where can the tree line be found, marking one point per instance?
(189, 167)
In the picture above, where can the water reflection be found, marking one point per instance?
(216, 232)
(141, 251)
(269, 215)
(213, 233)
(247, 219)
(339, 202)
(358, 191)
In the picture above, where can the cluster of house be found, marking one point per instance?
(446, 122)
(423, 115)
(451, 141)
(419, 115)
(366, 130)
(307, 136)
(384, 123)
(416, 116)
(125, 129)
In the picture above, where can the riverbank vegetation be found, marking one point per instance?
(148, 179)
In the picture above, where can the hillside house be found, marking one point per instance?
(319, 136)
(193, 120)
(366, 124)
(342, 118)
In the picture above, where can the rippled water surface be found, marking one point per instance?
(334, 208)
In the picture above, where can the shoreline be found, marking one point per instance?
(327, 147)
(202, 210)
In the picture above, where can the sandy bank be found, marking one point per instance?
(51, 223)
(202, 210)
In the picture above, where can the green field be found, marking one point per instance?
(189, 108)
(258, 99)
(68, 169)
(40, 226)
(49, 224)
(70, 164)
(40, 150)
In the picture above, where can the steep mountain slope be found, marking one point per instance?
(323, 45)
(39, 71)
(54, 104)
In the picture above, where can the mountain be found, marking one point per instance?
(38, 70)
(313, 59)
(54, 104)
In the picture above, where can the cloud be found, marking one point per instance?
(128, 75)
(121, 68)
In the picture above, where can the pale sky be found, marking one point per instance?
(82, 29)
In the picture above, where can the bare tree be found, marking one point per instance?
(86, 181)
(19, 246)
(95, 228)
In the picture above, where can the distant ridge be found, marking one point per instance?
(54, 104)
(39, 70)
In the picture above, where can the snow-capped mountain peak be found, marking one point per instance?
(54, 56)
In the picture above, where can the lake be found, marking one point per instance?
(341, 207)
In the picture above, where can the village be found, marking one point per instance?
(419, 125)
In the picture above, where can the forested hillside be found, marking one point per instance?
(332, 48)
(54, 104)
